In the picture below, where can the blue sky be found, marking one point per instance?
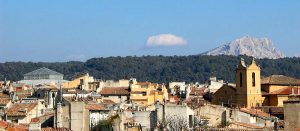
(63, 30)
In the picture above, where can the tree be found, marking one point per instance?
(173, 123)
(161, 69)
(105, 125)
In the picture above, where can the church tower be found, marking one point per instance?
(248, 86)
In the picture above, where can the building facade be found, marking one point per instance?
(248, 86)
(147, 93)
(43, 76)
(81, 82)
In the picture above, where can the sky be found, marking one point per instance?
(77, 30)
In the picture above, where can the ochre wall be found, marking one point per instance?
(248, 94)
(152, 94)
(76, 82)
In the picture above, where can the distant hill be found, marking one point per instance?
(155, 68)
(250, 46)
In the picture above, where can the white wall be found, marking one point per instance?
(182, 111)
(96, 116)
(214, 86)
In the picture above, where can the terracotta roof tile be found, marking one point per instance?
(94, 107)
(255, 112)
(107, 101)
(4, 101)
(21, 96)
(13, 127)
(143, 83)
(19, 109)
(42, 118)
(280, 80)
(195, 91)
(3, 95)
(3, 124)
(115, 91)
(285, 91)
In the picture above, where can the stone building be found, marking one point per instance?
(277, 89)
(116, 94)
(292, 114)
(147, 93)
(22, 112)
(97, 113)
(252, 91)
(247, 92)
(81, 82)
(72, 114)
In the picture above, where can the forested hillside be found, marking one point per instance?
(155, 68)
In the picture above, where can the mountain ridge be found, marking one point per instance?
(249, 46)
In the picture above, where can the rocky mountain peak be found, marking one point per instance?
(250, 46)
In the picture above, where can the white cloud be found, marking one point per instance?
(165, 40)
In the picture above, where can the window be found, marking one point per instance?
(15, 120)
(81, 81)
(144, 93)
(241, 79)
(253, 79)
(190, 121)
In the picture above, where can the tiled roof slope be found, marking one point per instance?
(4, 101)
(280, 80)
(285, 91)
(12, 127)
(19, 109)
(3, 95)
(256, 112)
(94, 107)
(107, 101)
(115, 91)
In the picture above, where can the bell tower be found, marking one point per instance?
(248, 86)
